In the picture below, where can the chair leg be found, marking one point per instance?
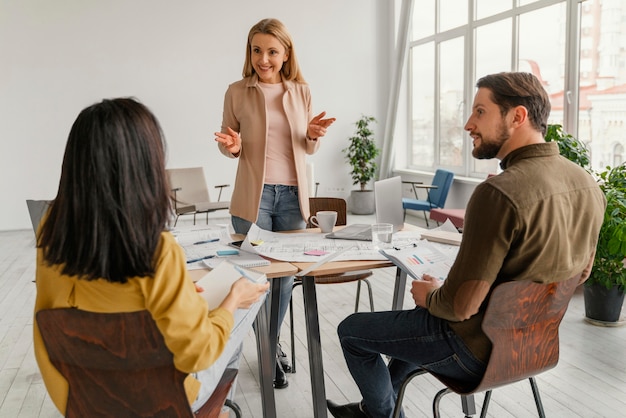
(358, 296)
(538, 403)
(234, 407)
(402, 390)
(426, 219)
(436, 401)
(483, 412)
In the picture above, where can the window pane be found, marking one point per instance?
(542, 58)
(451, 103)
(493, 48)
(423, 105)
(602, 103)
(452, 14)
(486, 8)
(493, 55)
(423, 22)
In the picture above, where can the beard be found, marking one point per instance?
(489, 148)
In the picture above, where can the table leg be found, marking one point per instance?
(266, 367)
(266, 329)
(314, 346)
(398, 290)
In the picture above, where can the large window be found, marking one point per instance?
(449, 51)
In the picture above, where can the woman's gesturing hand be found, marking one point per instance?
(318, 125)
(231, 141)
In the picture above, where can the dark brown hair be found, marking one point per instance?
(512, 89)
(113, 199)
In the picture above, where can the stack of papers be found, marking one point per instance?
(444, 237)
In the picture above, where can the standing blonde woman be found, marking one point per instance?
(268, 124)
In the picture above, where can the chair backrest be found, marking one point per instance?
(443, 181)
(36, 210)
(116, 364)
(328, 203)
(192, 184)
(522, 321)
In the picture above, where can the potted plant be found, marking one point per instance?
(604, 290)
(361, 154)
(569, 147)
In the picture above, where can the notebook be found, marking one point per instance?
(217, 282)
(388, 197)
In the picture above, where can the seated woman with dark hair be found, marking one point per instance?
(104, 247)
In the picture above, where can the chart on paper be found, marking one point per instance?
(420, 259)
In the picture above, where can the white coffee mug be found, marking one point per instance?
(325, 220)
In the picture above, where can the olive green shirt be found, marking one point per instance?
(537, 220)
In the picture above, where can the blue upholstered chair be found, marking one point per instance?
(436, 193)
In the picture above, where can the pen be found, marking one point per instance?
(206, 241)
(244, 273)
(195, 260)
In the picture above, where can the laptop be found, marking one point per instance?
(388, 197)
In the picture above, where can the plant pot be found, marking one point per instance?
(362, 202)
(603, 306)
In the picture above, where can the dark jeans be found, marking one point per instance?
(279, 211)
(413, 339)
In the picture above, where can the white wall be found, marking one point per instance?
(58, 57)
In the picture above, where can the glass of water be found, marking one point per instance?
(382, 235)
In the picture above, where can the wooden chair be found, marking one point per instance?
(191, 194)
(117, 365)
(339, 205)
(522, 321)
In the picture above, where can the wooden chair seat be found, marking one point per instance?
(117, 365)
(522, 321)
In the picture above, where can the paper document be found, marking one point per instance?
(422, 258)
(217, 282)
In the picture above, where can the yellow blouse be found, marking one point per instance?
(195, 335)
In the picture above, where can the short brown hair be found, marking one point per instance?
(510, 89)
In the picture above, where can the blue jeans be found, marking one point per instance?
(279, 211)
(413, 339)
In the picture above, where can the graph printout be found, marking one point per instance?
(422, 258)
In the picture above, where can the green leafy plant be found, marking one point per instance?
(608, 267)
(569, 147)
(362, 153)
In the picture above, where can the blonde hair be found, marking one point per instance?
(274, 27)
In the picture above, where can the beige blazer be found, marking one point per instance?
(245, 112)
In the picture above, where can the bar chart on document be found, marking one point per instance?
(422, 258)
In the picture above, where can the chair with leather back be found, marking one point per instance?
(436, 193)
(190, 193)
(339, 205)
(522, 321)
(117, 365)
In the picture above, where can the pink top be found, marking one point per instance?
(280, 167)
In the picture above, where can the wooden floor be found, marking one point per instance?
(590, 380)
